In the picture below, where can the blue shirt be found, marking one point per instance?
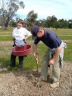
(50, 39)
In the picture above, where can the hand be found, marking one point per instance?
(52, 61)
(36, 56)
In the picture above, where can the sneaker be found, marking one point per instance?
(54, 85)
(20, 66)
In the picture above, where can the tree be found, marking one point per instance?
(41, 23)
(8, 10)
(51, 21)
(62, 23)
(31, 18)
(13, 23)
(70, 23)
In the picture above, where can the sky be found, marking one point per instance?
(44, 8)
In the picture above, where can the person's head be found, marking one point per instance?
(37, 31)
(20, 23)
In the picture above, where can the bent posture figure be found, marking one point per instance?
(53, 55)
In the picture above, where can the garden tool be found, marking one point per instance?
(37, 64)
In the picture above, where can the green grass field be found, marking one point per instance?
(64, 34)
(29, 62)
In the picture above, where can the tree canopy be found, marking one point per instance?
(8, 10)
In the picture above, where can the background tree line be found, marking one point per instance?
(8, 13)
(50, 21)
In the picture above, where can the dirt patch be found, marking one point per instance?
(27, 83)
(67, 41)
(7, 43)
(10, 43)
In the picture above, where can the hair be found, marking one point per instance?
(20, 21)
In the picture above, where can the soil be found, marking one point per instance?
(3, 43)
(28, 83)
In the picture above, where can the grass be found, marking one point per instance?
(64, 34)
(9, 38)
(60, 31)
(65, 37)
(6, 31)
(68, 52)
(29, 62)
(5, 38)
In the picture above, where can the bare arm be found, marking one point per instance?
(28, 34)
(55, 55)
(57, 52)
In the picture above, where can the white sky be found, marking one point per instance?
(44, 8)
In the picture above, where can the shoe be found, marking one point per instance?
(12, 65)
(20, 66)
(54, 85)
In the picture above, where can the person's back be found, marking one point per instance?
(50, 39)
(52, 54)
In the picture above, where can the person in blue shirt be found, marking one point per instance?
(51, 56)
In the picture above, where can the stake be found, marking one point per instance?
(37, 64)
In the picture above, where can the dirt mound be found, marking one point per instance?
(27, 83)
(8, 43)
